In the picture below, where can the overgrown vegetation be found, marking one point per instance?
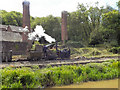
(63, 75)
(115, 50)
(98, 51)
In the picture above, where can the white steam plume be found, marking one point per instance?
(38, 33)
(24, 29)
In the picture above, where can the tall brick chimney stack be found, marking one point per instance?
(26, 22)
(26, 14)
(64, 35)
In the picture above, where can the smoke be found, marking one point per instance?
(38, 33)
(24, 29)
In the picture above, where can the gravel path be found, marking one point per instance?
(45, 63)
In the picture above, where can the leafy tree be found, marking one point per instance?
(3, 14)
(50, 24)
(118, 4)
(100, 33)
(78, 25)
(34, 22)
(111, 20)
(12, 18)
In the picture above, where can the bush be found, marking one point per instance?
(115, 50)
(74, 44)
(18, 77)
(63, 75)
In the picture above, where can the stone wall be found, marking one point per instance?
(18, 48)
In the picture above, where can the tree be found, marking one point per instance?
(118, 4)
(50, 24)
(111, 20)
(78, 25)
(3, 14)
(11, 18)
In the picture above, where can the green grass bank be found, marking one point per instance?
(56, 76)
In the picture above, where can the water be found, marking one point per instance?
(94, 84)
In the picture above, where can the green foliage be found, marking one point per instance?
(18, 78)
(74, 44)
(111, 21)
(118, 4)
(63, 75)
(78, 25)
(50, 24)
(103, 36)
(95, 52)
(11, 18)
(115, 50)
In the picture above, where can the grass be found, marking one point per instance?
(91, 52)
(56, 76)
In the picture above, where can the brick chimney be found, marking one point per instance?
(64, 35)
(26, 14)
(26, 22)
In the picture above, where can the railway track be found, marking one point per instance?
(44, 63)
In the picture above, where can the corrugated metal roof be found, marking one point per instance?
(16, 28)
(10, 36)
(3, 26)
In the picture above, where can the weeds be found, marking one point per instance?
(63, 75)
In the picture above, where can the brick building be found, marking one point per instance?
(13, 38)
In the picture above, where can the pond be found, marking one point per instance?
(93, 84)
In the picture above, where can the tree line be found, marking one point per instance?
(88, 25)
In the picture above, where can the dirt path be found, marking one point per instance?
(55, 62)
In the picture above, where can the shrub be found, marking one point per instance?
(115, 50)
(74, 44)
(16, 77)
(63, 75)
(16, 85)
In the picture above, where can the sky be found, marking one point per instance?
(43, 8)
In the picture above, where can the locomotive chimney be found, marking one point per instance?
(64, 35)
(26, 14)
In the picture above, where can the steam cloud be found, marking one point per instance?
(24, 29)
(38, 33)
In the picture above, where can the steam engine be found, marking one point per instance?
(41, 52)
(46, 52)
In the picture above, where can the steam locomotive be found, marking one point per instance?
(42, 52)
(46, 52)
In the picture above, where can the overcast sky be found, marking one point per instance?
(42, 8)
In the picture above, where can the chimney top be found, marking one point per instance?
(64, 12)
(26, 2)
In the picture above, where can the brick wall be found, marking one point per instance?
(18, 48)
(64, 35)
